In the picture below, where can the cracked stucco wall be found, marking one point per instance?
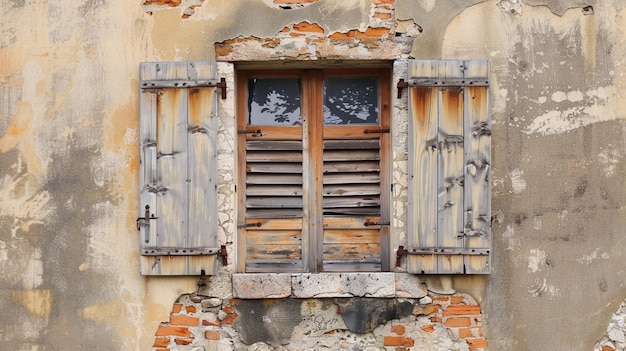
(68, 156)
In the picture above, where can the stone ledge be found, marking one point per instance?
(324, 285)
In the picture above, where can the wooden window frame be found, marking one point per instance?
(312, 247)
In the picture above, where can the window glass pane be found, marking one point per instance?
(274, 101)
(351, 100)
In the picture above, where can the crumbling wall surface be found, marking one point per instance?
(558, 188)
(69, 165)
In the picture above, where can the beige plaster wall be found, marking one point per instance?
(68, 159)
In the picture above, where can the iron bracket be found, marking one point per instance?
(401, 85)
(223, 254)
(399, 254)
(222, 85)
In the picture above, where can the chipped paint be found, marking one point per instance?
(517, 181)
(587, 259)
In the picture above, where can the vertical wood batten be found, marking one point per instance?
(463, 167)
(477, 177)
(423, 125)
(450, 178)
(178, 154)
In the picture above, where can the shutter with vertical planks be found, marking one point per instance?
(178, 177)
(449, 167)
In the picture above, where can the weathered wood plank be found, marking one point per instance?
(450, 178)
(273, 202)
(268, 178)
(351, 155)
(274, 167)
(274, 156)
(202, 174)
(422, 216)
(273, 133)
(274, 224)
(148, 171)
(351, 265)
(365, 251)
(351, 190)
(281, 237)
(339, 222)
(277, 145)
(348, 144)
(273, 266)
(353, 236)
(172, 201)
(274, 190)
(352, 211)
(351, 201)
(350, 132)
(351, 178)
(273, 251)
(351, 166)
(477, 148)
(262, 213)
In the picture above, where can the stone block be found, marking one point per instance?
(343, 285)
(261, 286)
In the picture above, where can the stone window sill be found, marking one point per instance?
(323, 285)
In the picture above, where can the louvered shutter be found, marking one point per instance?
(178, 177)
(449, 167)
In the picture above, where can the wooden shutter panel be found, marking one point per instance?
(178, 177)
(449, 167)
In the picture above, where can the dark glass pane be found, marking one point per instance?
(351, 100)
(274, 101)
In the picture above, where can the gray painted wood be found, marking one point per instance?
(449, 167)
(178, 157)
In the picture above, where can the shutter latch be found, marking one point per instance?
(223, 254)
(401, 252)
(145, 220)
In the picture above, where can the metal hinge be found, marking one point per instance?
(399, 254)
(401, 85)
(223, 254)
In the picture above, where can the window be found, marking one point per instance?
(449, 167)
(313, 186)
(178, 177)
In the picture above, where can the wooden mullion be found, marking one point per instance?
(242, 112)
(385, 170)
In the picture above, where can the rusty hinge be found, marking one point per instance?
(145, 222)
(222, 85)
(401, 85)
(223, 254)
(399, 254)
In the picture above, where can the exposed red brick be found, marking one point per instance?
(228, 309)
(458, 322)
(180, 341)
(372, 32)
(478, 343)
(162, 350)
(465, 332)
(398, 329)
(382, 15)
(462, 310)
(435, 319)
(607, 348)
(212, 335)
(171, 3)
(393, 341)
(161, 342)
(408, 342)
(428, 328)
(166, 330)
(441, 298)
(215, 323)
(456, 299)
(230, 318)
(308, 27)
(190, 309)
(177, 307)
(177, 319)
